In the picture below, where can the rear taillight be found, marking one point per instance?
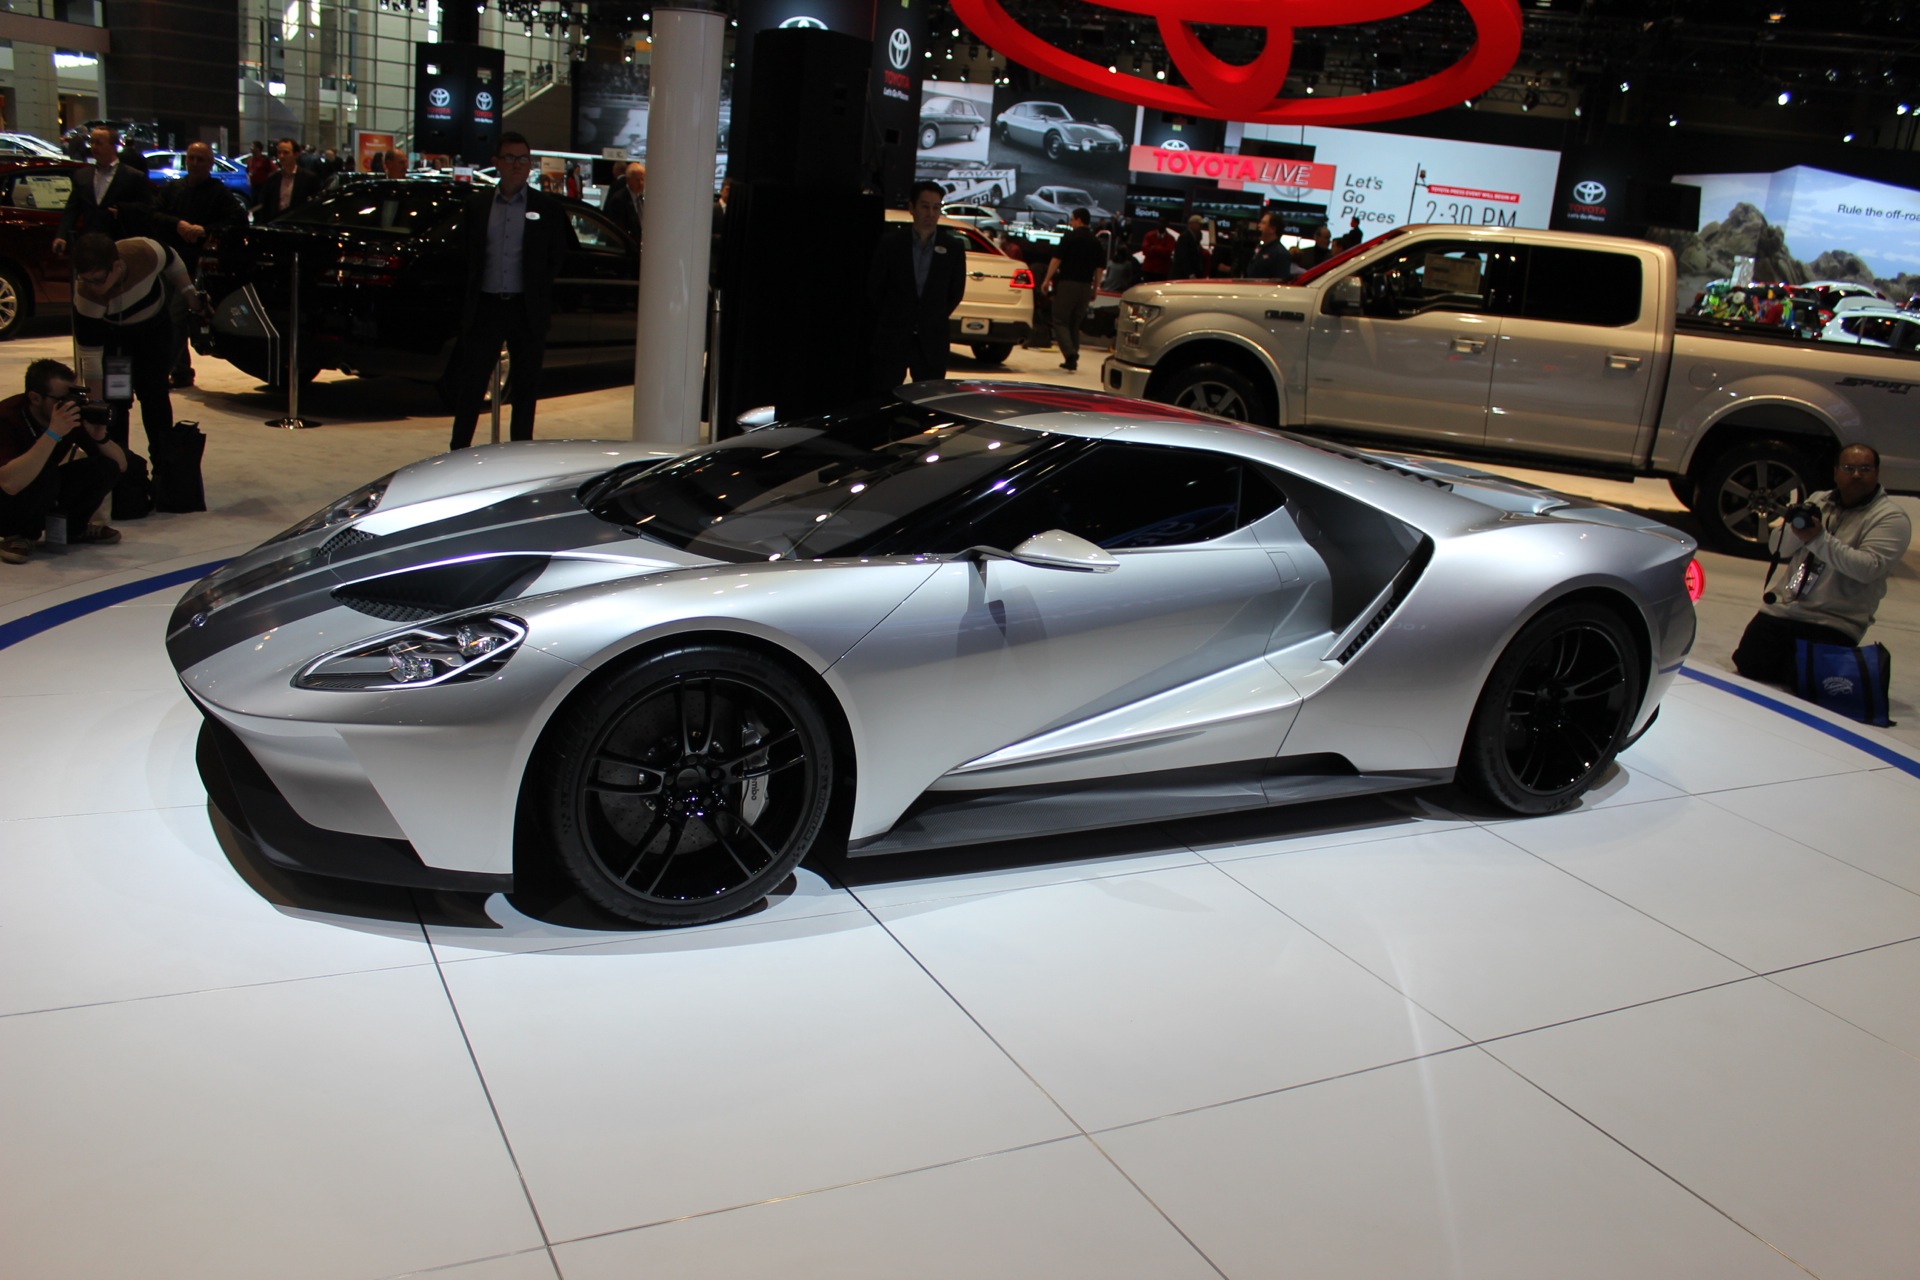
(1022, 279)
(1696, 581)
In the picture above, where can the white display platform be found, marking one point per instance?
(1674, 1032)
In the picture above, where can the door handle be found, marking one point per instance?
(1620, 360)
(1470, 346)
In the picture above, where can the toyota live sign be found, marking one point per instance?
(457, 100)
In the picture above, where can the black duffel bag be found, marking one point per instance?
(176, 468)
(133, 491)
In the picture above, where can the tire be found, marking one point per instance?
(1768, 470)
(992, 352)
(930, 138)
(1684, 489)
(16, 301)
(1055, 146)
(1555, 711)
(973, 133)
(688, 786)
(1210, 387)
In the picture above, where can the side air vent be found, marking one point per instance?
(415, 595)
(1396, 592)
(342, 542)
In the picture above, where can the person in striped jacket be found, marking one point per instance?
(120, 291)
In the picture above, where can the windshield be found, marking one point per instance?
(1314, 273)
(1068, 195)
(401, 208)
(820, 487)
(1048, 111)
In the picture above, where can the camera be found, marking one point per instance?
(100, 415)
(1802, 516)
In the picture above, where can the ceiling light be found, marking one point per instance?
(1625, 85)
(1846, 137)
(1786, 96)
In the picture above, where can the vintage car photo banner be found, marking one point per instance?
(1252, 92)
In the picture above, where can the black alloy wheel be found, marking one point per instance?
(1555, 710)
(1743, 490)
(688, 787)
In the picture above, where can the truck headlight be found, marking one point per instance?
(1141, 311)
(464, 649)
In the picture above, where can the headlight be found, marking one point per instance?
(1141, 311)
(465, 649)
(351, 507)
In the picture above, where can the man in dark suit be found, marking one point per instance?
(286, 188)
(187, 211)
(917, 278)
(515, 239)
(111, 197)
(626, 200)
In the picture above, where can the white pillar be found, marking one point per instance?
(683, 124)
(36, 90)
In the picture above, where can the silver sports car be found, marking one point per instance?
(1052, 128)
(973, 612)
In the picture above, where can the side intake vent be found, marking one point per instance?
(343, 542)
(1397, 591)
(418, 594)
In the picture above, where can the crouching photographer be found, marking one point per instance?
(56, 459)
(1838, 548)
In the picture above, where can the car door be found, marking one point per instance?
(1577, 359)
(1417, 357)
(597, 295)
(988, 654)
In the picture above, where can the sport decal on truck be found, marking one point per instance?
(1896, 388)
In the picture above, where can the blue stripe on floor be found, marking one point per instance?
(12, 633)
(1878, 750)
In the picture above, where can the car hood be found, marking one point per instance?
(453, 532)
(1214, 290)
(1082, 131)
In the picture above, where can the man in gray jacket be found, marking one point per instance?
(1836, 570)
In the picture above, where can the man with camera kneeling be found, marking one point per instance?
(56, 459)
(1839, 546)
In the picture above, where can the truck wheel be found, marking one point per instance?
(1684, 489)
(1217, 388)
(992, 352)
(1741, 489)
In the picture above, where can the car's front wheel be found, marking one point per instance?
(1056, 146)
(1217, 388)
(1555, 710)
(689, 785)
(929, 138)
(16, 300)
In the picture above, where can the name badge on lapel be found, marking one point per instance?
(939, 248)
(533, 215)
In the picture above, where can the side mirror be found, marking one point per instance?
(1346, 294)
(754, 419)
(1058, 549)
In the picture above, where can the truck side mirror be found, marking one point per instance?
(1346, 294)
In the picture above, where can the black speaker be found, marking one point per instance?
(808, 109)
(1663, 204)
(795, 326)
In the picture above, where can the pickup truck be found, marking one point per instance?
(1553, 350)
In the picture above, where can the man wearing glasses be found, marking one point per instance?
(1838, 557)
(515, 238)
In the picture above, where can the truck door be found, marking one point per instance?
(1577, 356)
(1416, 358)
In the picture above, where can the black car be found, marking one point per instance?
(383, 285)
(947, 119)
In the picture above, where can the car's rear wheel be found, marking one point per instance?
(686, 788)
(930, 138)
(992, 352)
(16, 301)
(1555, 710)
(1210, 387)
(1742, 489)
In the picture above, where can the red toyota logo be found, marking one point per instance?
(1251, 92)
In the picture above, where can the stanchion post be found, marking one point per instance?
(494, 389)
(293, 420)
